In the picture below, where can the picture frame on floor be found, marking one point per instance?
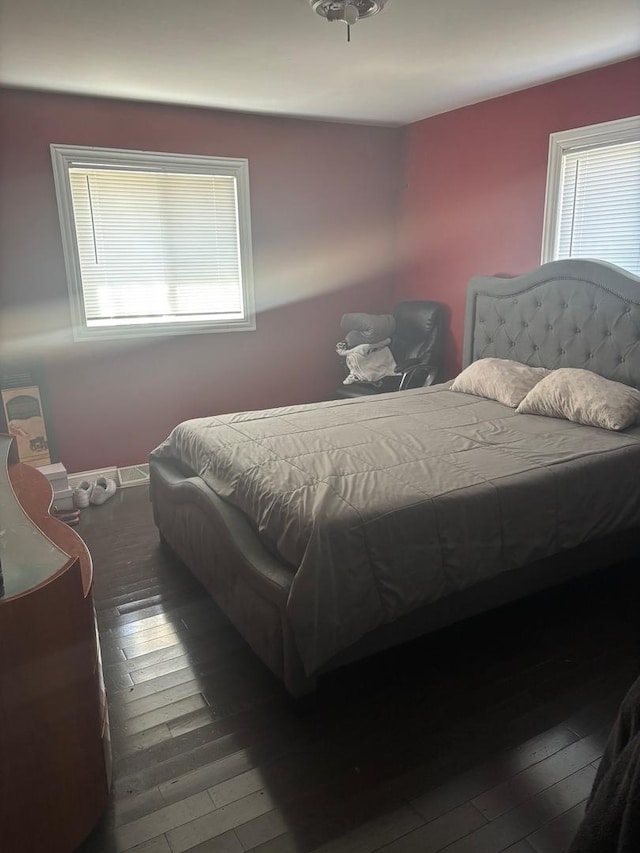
(25, 421)
(22, 376)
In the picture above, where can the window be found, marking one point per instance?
(592, 207)
(154, 243)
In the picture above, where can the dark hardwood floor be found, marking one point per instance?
(481, 738)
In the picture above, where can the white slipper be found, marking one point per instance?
(102, 490)
(82, 494)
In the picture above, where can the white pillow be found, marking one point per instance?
(583, 397)
(499, 379)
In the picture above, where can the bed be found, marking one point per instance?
(330, 531)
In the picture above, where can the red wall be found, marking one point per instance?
(474, 199)
(324, 214)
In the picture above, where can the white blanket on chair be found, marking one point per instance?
(368, 362)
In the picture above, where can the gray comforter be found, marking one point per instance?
(389, 502)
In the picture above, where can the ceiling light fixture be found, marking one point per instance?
(347, 11)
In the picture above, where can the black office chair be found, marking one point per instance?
(418, 347)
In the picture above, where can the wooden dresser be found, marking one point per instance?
(54, 725)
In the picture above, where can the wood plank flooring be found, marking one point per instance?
(482, 738)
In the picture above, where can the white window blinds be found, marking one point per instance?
(154, 242)
(600, 205)
(156, 247)
(593, 194)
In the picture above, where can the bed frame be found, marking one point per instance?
(573, 313)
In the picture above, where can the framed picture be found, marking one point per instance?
(25, 421)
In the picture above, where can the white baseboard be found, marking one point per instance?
(111, 474)
(92, 476)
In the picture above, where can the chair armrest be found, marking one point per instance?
(411, 363)
(409, 370)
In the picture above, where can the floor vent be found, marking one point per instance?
(134, 475)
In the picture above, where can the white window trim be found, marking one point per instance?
(64, 155)
(590, 136)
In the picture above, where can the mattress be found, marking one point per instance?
(386, 503)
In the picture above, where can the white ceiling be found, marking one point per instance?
(417, 58)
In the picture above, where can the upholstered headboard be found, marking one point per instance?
(573, 313)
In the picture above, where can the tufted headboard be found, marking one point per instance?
(572, 313)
